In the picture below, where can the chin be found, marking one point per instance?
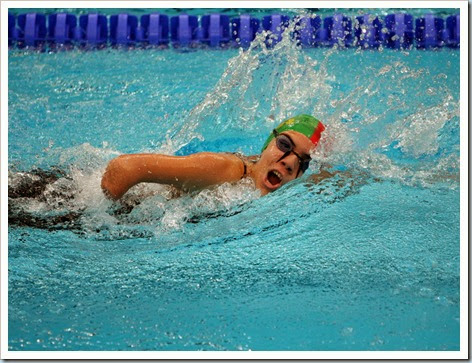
(265, 190)
(266, 187)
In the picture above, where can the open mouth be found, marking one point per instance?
(274, 178)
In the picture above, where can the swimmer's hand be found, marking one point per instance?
(190, 172)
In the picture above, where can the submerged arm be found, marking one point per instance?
(352, 178)
(187, 172)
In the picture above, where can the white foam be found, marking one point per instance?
(260, 87)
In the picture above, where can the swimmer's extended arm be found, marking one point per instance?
(187, 172)
(325, 173)
(353, 177)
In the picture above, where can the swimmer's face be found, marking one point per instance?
(274, 170)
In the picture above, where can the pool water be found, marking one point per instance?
(367, 260)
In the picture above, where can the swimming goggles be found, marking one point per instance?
(286, 145)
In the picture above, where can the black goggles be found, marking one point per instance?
(285, 144)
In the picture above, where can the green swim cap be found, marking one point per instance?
(307, 125)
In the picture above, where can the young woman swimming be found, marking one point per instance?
(285, 156)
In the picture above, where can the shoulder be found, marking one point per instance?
(229, 166)
(218, 159)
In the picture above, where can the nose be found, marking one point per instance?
(290, 163)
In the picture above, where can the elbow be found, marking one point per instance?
(108, 188)
(114, 179)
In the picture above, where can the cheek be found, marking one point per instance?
(266, 157)
(271, 154)
(290, 178)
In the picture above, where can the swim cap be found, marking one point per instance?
(305, 124)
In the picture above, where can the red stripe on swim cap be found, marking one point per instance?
(317, 134)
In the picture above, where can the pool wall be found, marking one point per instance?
(65, 30)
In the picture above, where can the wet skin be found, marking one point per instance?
(286, 169)
(202, 170)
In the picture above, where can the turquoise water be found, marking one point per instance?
(365, 261)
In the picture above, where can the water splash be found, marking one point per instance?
(269, 82)
(375, 124)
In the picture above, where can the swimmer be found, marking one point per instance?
(285, 156)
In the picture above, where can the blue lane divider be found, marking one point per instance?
(399, 31)
(215, 30)
(154, 29)
(429, 32)
(123, 29)
(245, 28)
(276, 24)
(11, 29)
(323, 36)
(339, 28)
(61, 29)
(368, 31)
(308, 32)
(396, 31)
(92, 30)
(452, 35)
(31, 30)
(184, 30)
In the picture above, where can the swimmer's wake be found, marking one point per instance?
(47, 199)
